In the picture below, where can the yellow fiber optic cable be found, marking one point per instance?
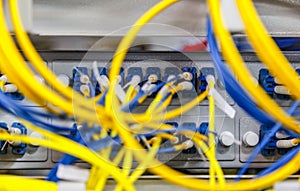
(98, 178)
(234, 59)
(127, 163)
(129, 93)
(103, 176)
(213, 162)
(211, 136)
(141, 168)
(168, 173)
(15, 183)
(158, 98)
(268, 51)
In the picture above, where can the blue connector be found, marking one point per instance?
(203, 129)
(202, 79)
(267, 82)
(3, 144)
(270, 148)
(15, 96)
(20, 149)
(122, 74)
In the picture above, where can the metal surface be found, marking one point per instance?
(113, 17)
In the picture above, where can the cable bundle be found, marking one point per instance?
(105, 121)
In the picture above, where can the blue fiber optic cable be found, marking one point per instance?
(231, 85)
(15, 109)
(166, 150)
(102, 99)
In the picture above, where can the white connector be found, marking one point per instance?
(147, 87)
(290, 185)
(14, 131)
(226, 138)
(84, 79)
(284, 144)
(135, 80)
(188, 144)
(171, 78)
(153, 78)
(281, 135)
(35, 135)
(151, 87)
(4, 79)
(85, 89)
(186, 85)
(10, 88)
(72, 173)
(64, 79)
(277, 81)
(120, 92)
(164, 90)
(119, 79)
(174, 140)
(282, 90)
(187, 76)
(210, 78)
(104, 82)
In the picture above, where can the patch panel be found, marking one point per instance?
(229, 156)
